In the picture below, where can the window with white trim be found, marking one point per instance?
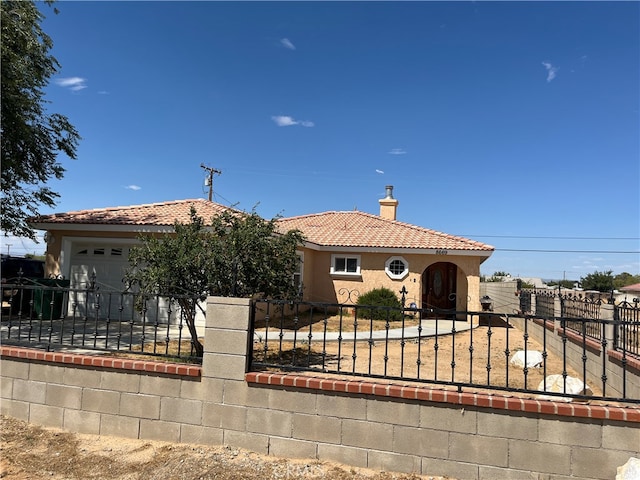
(297, 275)
(345, 264)
(396, 267)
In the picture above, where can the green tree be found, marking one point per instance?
(238, 254)
(599, 281)
(623, 279)
(31, 137)
(562, 283)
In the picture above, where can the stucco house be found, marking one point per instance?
(346, 253)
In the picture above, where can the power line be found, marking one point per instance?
(550, 238)
(565, 251)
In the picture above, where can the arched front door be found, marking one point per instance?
(439, 286)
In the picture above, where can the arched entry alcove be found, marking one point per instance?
(439, 286)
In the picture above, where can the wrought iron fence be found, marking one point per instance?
(582, 307)
(525, 301)
(48, 313)
(545, 304)
(483, 351)
(627, 330)
(578, 310)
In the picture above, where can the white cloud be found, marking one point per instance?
(379, 171)
(551, 71)
(286, 43)
(133, 187)
(74, 84)
(397, 151)
(287, 121)
(283, 120)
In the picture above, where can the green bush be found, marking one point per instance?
(380, 297)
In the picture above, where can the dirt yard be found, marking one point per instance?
(480, 357)
(28, 452)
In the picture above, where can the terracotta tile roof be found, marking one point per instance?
(336, 229)
(631, 288)
(359, 229)
(160, 214)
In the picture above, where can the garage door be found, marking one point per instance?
(106, 264)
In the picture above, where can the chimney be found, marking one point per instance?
(388, 205)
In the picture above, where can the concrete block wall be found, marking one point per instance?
(503, 296)
(385, 426)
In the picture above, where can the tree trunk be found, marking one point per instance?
(188, 307)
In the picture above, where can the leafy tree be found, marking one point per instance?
(599, 281)
(31, 137)
(623, 279)
(238, 255)
(562, 283)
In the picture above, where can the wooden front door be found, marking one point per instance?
(439, 286)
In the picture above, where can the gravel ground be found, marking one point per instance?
(36, 453)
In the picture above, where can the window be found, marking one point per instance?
(345, 265)
(396, 267)
(297, 275)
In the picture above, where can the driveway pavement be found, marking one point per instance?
(429, 329)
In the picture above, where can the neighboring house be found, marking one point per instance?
(346, 253)
(629, 293)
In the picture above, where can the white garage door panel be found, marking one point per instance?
(109, 263)
(105, 264)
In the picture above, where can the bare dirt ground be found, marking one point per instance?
(29, 452)
(480, 356)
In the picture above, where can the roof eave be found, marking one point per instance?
(399, 250)
(97, 227)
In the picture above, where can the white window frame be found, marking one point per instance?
(396, 276)
(346, 257)
(300, 273)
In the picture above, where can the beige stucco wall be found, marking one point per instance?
(322, 287)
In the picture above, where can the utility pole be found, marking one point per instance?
(208, 181)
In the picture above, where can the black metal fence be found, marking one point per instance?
(627, 334)
(583, 307)
(424, 345)
(588, 306)
(545, 304)
(47, 313)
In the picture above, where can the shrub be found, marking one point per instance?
(380, 297)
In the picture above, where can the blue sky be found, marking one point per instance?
(504, 122)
